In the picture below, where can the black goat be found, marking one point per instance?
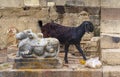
(67, 35)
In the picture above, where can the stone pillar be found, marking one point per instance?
(110, 32)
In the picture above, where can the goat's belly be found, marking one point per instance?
(70, 40)
(73, 41)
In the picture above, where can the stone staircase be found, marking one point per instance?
(73, 69)
(90, 46)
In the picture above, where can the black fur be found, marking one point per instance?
(67, 35)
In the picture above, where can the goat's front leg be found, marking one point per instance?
(81, 51)
(66, 53)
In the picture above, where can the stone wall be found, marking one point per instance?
(110, 31)
(35, 3)
(24, 14)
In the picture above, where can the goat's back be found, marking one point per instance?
(53, 29)
(57, 31)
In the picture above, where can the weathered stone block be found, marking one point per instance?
(20, 24)
(79, 9)
(43, 14)
(95, 19)
(68, 19)
(87, 37)
(110, 41)
(94, 44)
(60, 2)
(11, 3)
(92, 49)
(81, 72)
(3, 59)
(12, 49)
(53, 14)
(110, 3)
(78, 18)
(110, 14)
(50, 4)
(111, 71)
(37, 63)
(94, 3)
(110, 56)
(110, 26)
(32, 3)
(42, 3)
(95, 39)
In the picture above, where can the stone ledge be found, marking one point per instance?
(51, 73)
(111, 71)
(37, 63)
(106, 71)
(43, 3)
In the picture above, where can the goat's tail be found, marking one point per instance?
(40, 24)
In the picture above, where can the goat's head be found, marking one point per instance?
(88, 26)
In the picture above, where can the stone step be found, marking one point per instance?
(71, 72)
(110, 56)
(105, 71)
(111, 71)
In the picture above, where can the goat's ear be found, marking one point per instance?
(40, 23)
(87, 28)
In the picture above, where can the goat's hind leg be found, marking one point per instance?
(81, 51)
(66, 53)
